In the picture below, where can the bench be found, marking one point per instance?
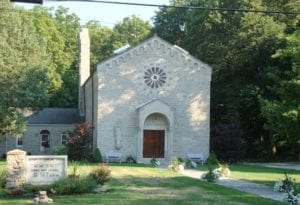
(113, 157)
(196, 157)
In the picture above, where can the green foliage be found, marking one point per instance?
(59, 150)
(211, 175)
(154, 162)
(73, 185)
(97, 157)
(101, 174)
(24, 78)
(212, 159)
(79, 144)
(240, 47)
(31, 190)
(74, 166)
(130, 159)
(176, 161)
(3, 175)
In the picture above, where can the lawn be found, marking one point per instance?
(259, 174)
(139, 184)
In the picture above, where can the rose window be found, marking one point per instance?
(155, 77)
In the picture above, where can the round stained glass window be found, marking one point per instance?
(155, 77)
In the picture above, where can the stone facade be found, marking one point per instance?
(152, 86)
(32, 139)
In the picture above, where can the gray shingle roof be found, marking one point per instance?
(55, 116)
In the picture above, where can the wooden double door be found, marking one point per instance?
(154, 144)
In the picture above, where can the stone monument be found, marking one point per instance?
(38, 170)
(16, 168)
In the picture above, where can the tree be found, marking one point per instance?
(23, 74)
(131, 30)
(101, 47)
(69, 26)
(79, 144)
(282, 112)
(239, 47)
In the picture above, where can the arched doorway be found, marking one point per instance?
(154, 135)
(155, 131)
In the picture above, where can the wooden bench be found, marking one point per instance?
(113, 157)
(196, 157)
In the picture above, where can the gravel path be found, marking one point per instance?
(249, 187)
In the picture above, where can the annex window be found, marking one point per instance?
(45, 141)
(19, 142)
(64, 138)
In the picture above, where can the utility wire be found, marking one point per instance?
(185, 7)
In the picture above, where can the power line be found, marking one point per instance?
(185, 7)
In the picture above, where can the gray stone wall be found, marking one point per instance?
(122, 88)
(32, 137)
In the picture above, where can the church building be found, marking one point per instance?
(147, 101)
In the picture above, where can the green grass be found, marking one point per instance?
(138, 184)
(259, 174)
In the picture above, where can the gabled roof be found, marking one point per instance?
(55, 116)
(156, 42)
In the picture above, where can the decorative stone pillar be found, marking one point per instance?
(16, 168)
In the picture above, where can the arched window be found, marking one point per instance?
(45, 141)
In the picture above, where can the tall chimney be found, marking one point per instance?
(84, 67)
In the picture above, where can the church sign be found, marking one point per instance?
(38, 170)
(45, 169)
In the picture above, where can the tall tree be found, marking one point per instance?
(282, 112)
(23, 74)
(101, 48)
(239, 46)
(69, 27)
(131, 30)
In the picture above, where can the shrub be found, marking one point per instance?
(211, 175)
(3, 175)
(212, 159)
(289, 186)
(191, 164)
(130, 159)
(223, 170)
(101, 174)
(97, 157)
(74, 170)
(16, 192)
(59, 150)
(79, 144)
(228, 143)
(31, 190)
(155, 162)
(285, 185)
(176, 163)
(73, 185)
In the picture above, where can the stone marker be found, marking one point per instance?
(38, 170)
(16, 168)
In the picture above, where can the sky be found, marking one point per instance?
(107, 14)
